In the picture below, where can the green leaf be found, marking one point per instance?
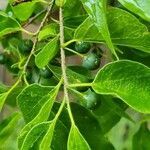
(76, 140)
(30, 101)
(125, 30)
(64, 117)
(73, 76)
(127, 80)
(47, 140)
(48, 31)
(7, 126)
(8, 24)
(139, 7)
(97, 11)
(141, 138)
(47, 53)
(43, 113)
(34, 134)
(24, 10)
(53, 138)
(90, 128)
(87, 31)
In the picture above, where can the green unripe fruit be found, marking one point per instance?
(91, 61)
(91, 99)
(82, 47)
(25, 46)
(2, 59)
(46, 73)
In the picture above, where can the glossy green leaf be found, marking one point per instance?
(97, 11)
(128, 80)
(7, 126)
(90, 128)
(125, 30)
(8, 24)
(141, 138)
(30, 101)
(139, 7)
(76, 140)
(47, 53)
(48, 31)
(24, 10)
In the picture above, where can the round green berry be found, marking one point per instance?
(91, 61)
(91, 99)
(82, 47)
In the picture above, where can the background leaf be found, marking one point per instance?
(109, 112)
(141, 138)
(90, 128)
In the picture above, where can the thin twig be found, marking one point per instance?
(36, 38)
(34, 18)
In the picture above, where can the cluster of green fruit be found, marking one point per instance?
(91, 61)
